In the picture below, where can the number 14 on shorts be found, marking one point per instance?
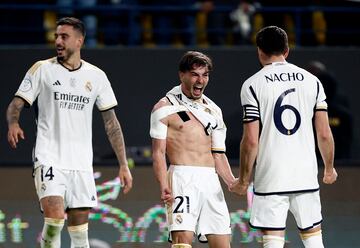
(48, 174)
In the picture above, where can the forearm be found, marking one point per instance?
(160, 169)
(116, 139)
(327, 150)
(223, 168)
(248, 153)
(325, 139)
(14, 110)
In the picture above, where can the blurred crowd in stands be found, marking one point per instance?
(183, 22)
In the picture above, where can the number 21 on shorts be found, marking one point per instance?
(184, 204)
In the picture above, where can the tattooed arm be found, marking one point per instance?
(116, 138)
(12, 117)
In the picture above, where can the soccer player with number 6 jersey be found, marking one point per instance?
(282, 105)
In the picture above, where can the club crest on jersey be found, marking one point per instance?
(26, 84)
(72, 82)
(88, 86)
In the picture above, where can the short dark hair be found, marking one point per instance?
(272, 40)
(74, 22)
(194, 58)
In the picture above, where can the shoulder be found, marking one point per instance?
(304, 72)
(161, 103)
(212, 104)
(251, 81)
(254, 78)
(88, 66)
(41, 64)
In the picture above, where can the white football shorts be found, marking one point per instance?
(270, 211)
(199, 204)
(77, 188)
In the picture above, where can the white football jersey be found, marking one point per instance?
(284, 97)
(64, 105)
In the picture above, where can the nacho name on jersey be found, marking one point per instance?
(284, 77)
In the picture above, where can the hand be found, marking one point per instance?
(231, 183)
(125, 178)
(15, 132)
(330, 176)
(166, 196)
(239, 188)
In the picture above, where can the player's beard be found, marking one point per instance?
(60, 58)
(66, 54)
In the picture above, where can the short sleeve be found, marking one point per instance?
(105, 99)
(218, 135)
(321, 104)
(249, 103)
(30, 86)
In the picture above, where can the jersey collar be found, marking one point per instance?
(75, 69)
(277, 63)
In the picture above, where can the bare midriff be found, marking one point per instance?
(187, 143)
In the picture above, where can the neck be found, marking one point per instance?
(273, 59)
(73, 62)
(199, 100)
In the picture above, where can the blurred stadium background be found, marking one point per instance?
(138, 44)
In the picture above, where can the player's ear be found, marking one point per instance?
(81, 41)
(261, 56)
(258, 51)
(286, 53)
(181, 76)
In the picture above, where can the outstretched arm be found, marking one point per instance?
(116, 138)
(12, 117)
(326, 146)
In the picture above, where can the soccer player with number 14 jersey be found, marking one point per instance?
(64, 90)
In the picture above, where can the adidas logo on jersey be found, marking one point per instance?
(93, 198)
(57, 82)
